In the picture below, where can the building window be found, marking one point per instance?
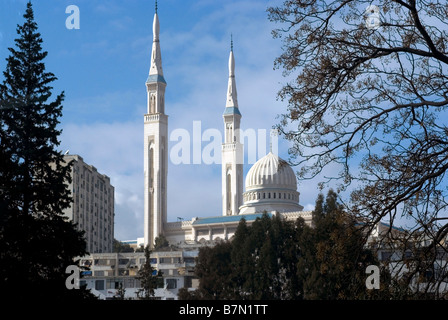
(129, 283)
(229, 194)
(171, 283)
(99, 284)
(188, 283)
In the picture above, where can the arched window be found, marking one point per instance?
(151, 167)
(161, 106)
(229, 194)
(153, 103)
(162, 178)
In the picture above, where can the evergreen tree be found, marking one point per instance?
(149, 278)
(260, 262)
(121, 292)
(241, 258)
(334, 258)
(214, 269)
(270, 257)
(118, 246)
(37, 242)
(161, 242)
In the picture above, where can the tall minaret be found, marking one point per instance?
(232, 149)
(155, 145)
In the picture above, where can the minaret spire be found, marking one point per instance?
(155, 145)
(232, 149)
(156, 56)
(232, 100)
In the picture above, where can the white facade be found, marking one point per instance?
(271, 185)
(155, 146)
(110, 271)
(232, 149)
(92, 208)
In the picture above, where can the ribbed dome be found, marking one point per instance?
(271, 172)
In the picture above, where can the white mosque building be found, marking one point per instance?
(270, 184)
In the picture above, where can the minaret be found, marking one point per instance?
(232, 149)
(155, 145)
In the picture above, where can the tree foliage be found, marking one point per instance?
(150, 278)
(372, 100)
(37, 242)
(334, 255)
(119, 246)
(215, 272)
(278, 259)
(161, 242)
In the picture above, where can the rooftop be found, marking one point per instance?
(223, 219)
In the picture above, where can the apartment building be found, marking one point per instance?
(92, 208)
(107, 272)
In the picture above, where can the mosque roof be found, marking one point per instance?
(271, 172)
(224, 219)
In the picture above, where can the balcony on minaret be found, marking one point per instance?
(229, 146)
(152, 117)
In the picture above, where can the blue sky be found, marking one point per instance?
(102, 68)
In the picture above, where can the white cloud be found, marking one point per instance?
(114, 149)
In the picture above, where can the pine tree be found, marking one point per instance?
(37, 242)
(214, 269)
(334, 259)
(149, 278)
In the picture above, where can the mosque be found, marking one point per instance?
(270, 184)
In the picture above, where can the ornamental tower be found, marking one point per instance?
(232, 149)
(155, 145)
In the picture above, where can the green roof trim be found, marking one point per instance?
(232, 110)
(155, 78)
(234, 218)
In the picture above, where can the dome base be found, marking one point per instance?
(269, 207)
